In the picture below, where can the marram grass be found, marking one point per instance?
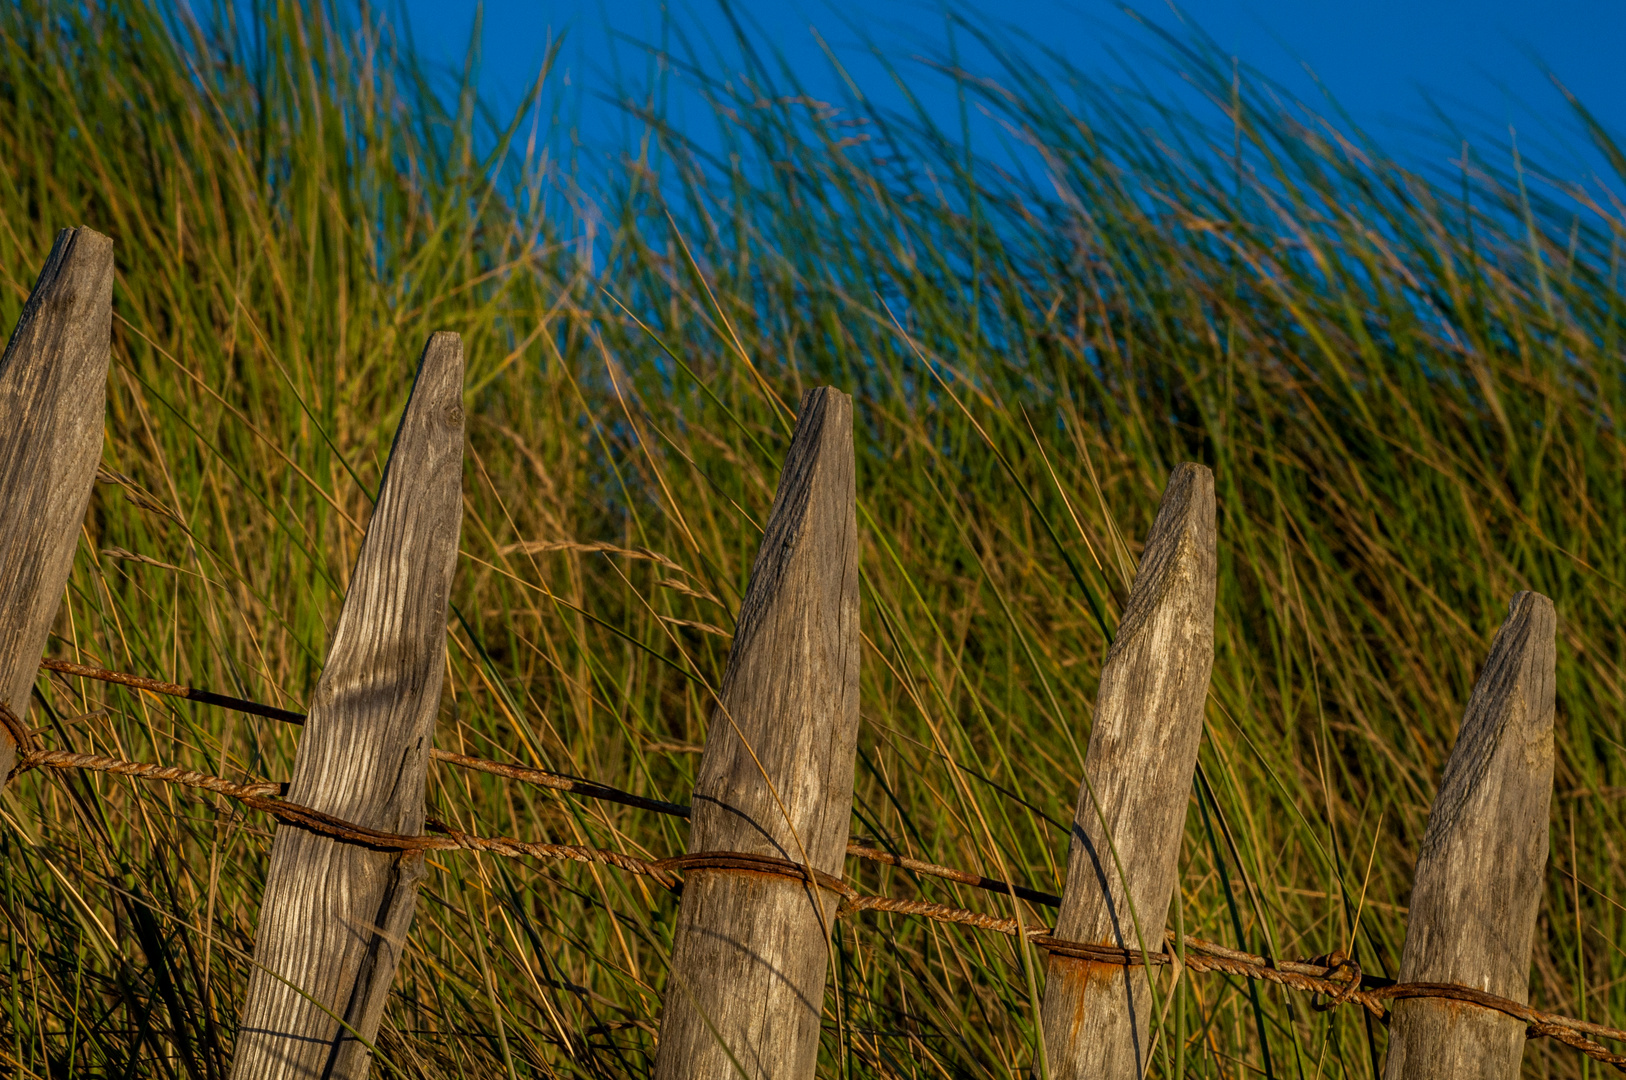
(1408, 387)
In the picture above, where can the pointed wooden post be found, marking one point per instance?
(1137, 782)
(745, 992)
(53, 400)
(335, 916)
(1483, 862)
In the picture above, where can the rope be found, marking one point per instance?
(20, 737)
(192, 693)
(886, 858)
(552, 781)
(1314, 976)
(587, 788)
(759, 864)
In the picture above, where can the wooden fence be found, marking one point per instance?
(773, 798)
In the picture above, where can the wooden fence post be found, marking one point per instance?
(53, 399)
(1483, 860)
(335, 916)
(744, 995)
(1137, 782)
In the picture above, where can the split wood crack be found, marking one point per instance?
(1334, 979)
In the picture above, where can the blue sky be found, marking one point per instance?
(1481, 60)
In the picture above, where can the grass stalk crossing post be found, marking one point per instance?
(1123, 860)
(53, 400)
(744, 995)
(1479, 878)
(335, 916)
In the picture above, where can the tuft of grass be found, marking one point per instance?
(1408, 387)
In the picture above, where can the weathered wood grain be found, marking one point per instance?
(1482, 865)
(53, 400)
(1137, 784)
(745, 991)
(335, 916)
